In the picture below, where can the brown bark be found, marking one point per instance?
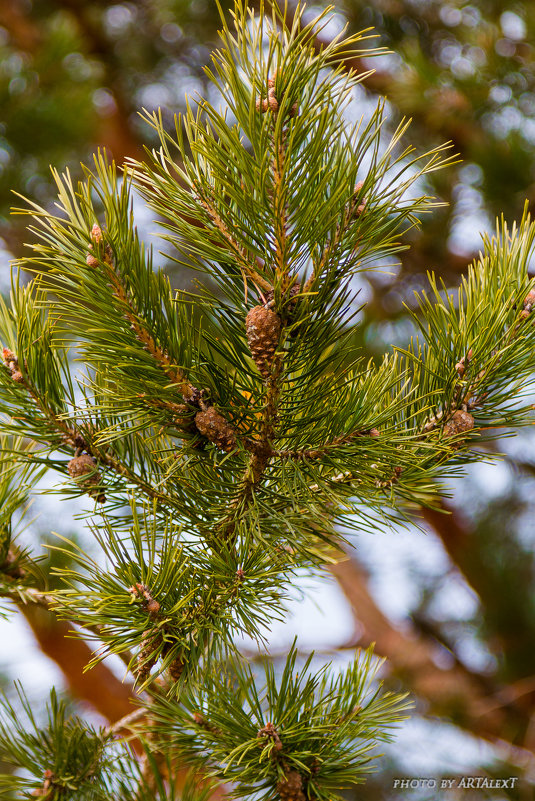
(99, 686)
(454, 693)
(22, 30)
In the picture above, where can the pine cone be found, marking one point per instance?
(85, 465)
(263, 328)
(458, 423)
(176, 669)
(215, 428)
(291, 787)
(150, 643)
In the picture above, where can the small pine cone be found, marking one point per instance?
(150, 644)
(263, 328)
(458, 423)
(92, 261)
(215, 428)
(291, 787)
(85, 465)
(176, 669)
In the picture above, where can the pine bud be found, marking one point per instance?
(215, 428)
(269, 734)
(271, 103)
(48, 784)
(460, 368)
(96, 233)
(151, 605)
(360, 208)
(263, 328)
(12, 364)
(529, 300)
(92, 261)
(291, 787)
(85, 465)
(9, 357)
(458, 423)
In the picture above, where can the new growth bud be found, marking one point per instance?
(267, 734)
(271, 102)
(529, 303)
(151, 605)
(12, 364)
(96, 237)
(362, 205)
(96, 233)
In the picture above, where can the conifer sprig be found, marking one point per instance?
(317, 730)
(64, 757)
(167, 601)
(474, 352)
(19, 572)
(222, 437)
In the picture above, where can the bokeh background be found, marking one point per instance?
(448, 600)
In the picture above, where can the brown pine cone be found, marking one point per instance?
(215, 428)
(85, 465)
(458, 423)
(145, 662)
(291, 787)
(263, 328)
(176, 669)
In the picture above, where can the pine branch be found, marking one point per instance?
(138, 326)
(75, 441)
(317, 453)
(304, 726)
(239, 252)
(251, 430)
